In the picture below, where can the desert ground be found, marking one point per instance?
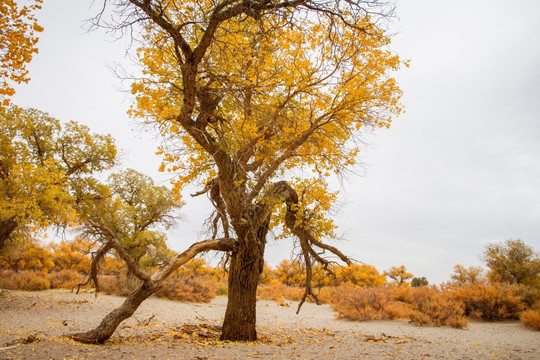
(32, 325)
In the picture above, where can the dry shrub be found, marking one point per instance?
(189, 288)
(531, 318)
(490, 302)
(28, 280)
(8, 280)
(429, 306)
(278, 292)
(65, 279)
(118, 284)
(327, 294)
(363, 303)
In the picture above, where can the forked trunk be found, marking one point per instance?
(245, 269)
(109, 324)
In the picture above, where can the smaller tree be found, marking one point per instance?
(360, 274)
(42, 163)
(399, 274)
(291, 273)
(512, 261)
(467, 276)
(74, 254)
(419, 281)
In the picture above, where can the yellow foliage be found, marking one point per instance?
(18, 39)
(278, 102)
(42, 165)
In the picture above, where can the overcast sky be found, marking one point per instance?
(460, 169)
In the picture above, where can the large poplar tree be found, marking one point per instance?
(258, 103)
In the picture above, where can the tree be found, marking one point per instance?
(512, 261)
(290, 273)
(467, 276)
(132, 208)
(74, 254)
(417, 282)
(18, 39)
(30, 255)
(41, 165)
(258, 101)
(399, 274)
(360, 274)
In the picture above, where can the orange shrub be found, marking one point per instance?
(24, 280)
(278, 292)
(490, 302)
(189, 288)
(362, 303)
(531, 318)
(429, 306)
(65, 279)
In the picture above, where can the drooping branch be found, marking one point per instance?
(94, 267)
(308, 242)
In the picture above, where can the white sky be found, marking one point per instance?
(459, 169)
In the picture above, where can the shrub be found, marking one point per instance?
(490, 302)
(64, 279)
(429, 306)
(363, 303)
(189, 288)
(531, 318)
(278, 292)
(8, 279)
(28, 280)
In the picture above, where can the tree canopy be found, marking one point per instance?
(512, 261)
(42, 162)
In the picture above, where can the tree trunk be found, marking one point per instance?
(245, 269)
(7, 226)
(109, 324)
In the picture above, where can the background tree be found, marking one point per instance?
(28, 255)
(512, 261)
(467, 276)
(18, 39)
(419, 281)
(131, 207)
(360, 274)
(41, 165)
(399, 274)
(74, 254)
(258, 101)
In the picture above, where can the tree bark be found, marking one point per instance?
(109, 324)
(7, 226)
(245, 269)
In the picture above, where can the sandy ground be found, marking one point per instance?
(32, 325)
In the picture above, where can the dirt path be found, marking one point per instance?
(32, 325)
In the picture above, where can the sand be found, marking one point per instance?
(32, 325)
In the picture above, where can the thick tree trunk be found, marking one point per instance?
(109, 324)
(245, 269)
(7, 226)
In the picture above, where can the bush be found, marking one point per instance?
(28, 280)
(279, 292)
(189, 288)
(490, 302)
(429, 306)
(531, 318)
(365, 303)
(65, 279)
